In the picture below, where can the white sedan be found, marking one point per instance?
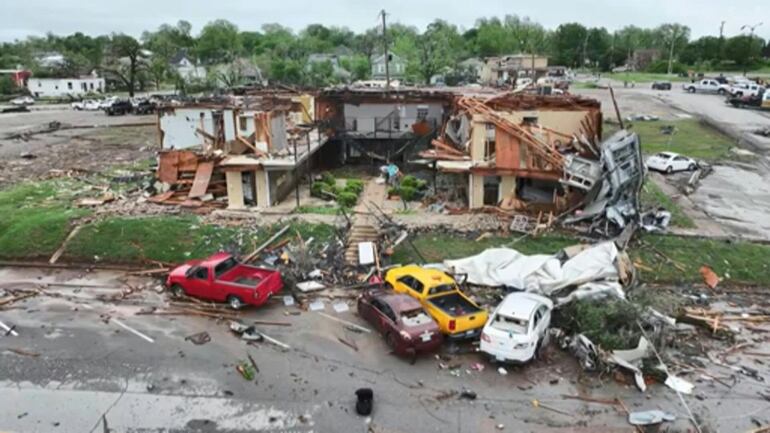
(518, 328)
(22, 100)
(670, 162)
(86, 104)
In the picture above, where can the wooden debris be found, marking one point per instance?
(266, 244)
(23, 352)
(348, 343)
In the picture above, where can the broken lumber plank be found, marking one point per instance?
(266, 244)
(63, 245)
(202, 179)
(348, 343)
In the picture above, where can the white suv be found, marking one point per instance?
(749, 88)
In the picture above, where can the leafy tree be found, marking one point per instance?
(219, 42)
(127, 60)
(671, 39)
(569, 44)
(359, 67)
(744, 50)
(7, 86)
(168, 40)
(435, 50)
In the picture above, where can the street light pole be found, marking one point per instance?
(751, 36)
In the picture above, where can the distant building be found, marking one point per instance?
(186, 68)
(339, 72)
(505, 69)
(642, 59)
(474, 66)
(18, 76)
(396, 67)
(240, 72)
(50, 60)
(59, 87)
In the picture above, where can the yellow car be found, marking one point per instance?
(457, 316)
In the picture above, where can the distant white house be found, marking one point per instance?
(396, 67)
(186, 68)
(58, 87)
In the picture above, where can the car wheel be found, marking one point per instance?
(538, 350)
(691, 90)
(739, 94)
(692, 167)
(721, 91)
(178, 291)
(390, 339)
(234, 302)
(669, 169)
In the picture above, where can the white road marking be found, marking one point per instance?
(361, 328)
(132, 330)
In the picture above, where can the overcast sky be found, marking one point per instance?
(36, 17)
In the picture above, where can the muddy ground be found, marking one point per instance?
(84, 149)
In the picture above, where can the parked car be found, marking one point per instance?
(661, 85)
(518, 328)
(86, 104)
(670, 162)
(107, 102)
(407, 328)
(119, 107)
(746, 89)
(761, 101)
(707, 85)
(23, 100)
(222, 278)
(457, 316)
(143, 106)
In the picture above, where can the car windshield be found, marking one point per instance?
(663, 155)
(510, 324)
(441, 288)
(415, 317)
(225, 266)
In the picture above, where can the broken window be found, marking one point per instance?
(538, 191)
(510, 324)
(491, 190)
(69, 85)
(243, 123)
(422, 112)
(529, 120)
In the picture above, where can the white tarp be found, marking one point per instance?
(592, 270)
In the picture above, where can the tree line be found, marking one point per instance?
(282, 55)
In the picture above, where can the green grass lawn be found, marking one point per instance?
(643, 77)
(318, 210)
(36, 217)
(172, 239)
(740, 262)
(653, 196)
(692, 138)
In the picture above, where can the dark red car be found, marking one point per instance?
(222, 278)
(407, 328)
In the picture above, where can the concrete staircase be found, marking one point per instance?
(361, 231)
(364, 227)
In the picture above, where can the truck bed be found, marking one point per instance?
(245, 275)
(454, 305)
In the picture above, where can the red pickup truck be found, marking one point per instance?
(222, 278)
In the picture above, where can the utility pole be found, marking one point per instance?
(387, 52)
(722, 30)
(671, 51)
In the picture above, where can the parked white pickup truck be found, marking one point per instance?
(747, 88)
(706, 86)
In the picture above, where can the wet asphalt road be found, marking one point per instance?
(136, 373)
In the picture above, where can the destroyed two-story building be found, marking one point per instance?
(528, 152)
(235, 152)
(381, 124)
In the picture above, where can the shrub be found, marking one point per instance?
(354, 185)
(407, 193)
(321, 190)
(347, 199)
(328, 179)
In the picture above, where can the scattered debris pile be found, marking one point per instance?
(190, 180)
